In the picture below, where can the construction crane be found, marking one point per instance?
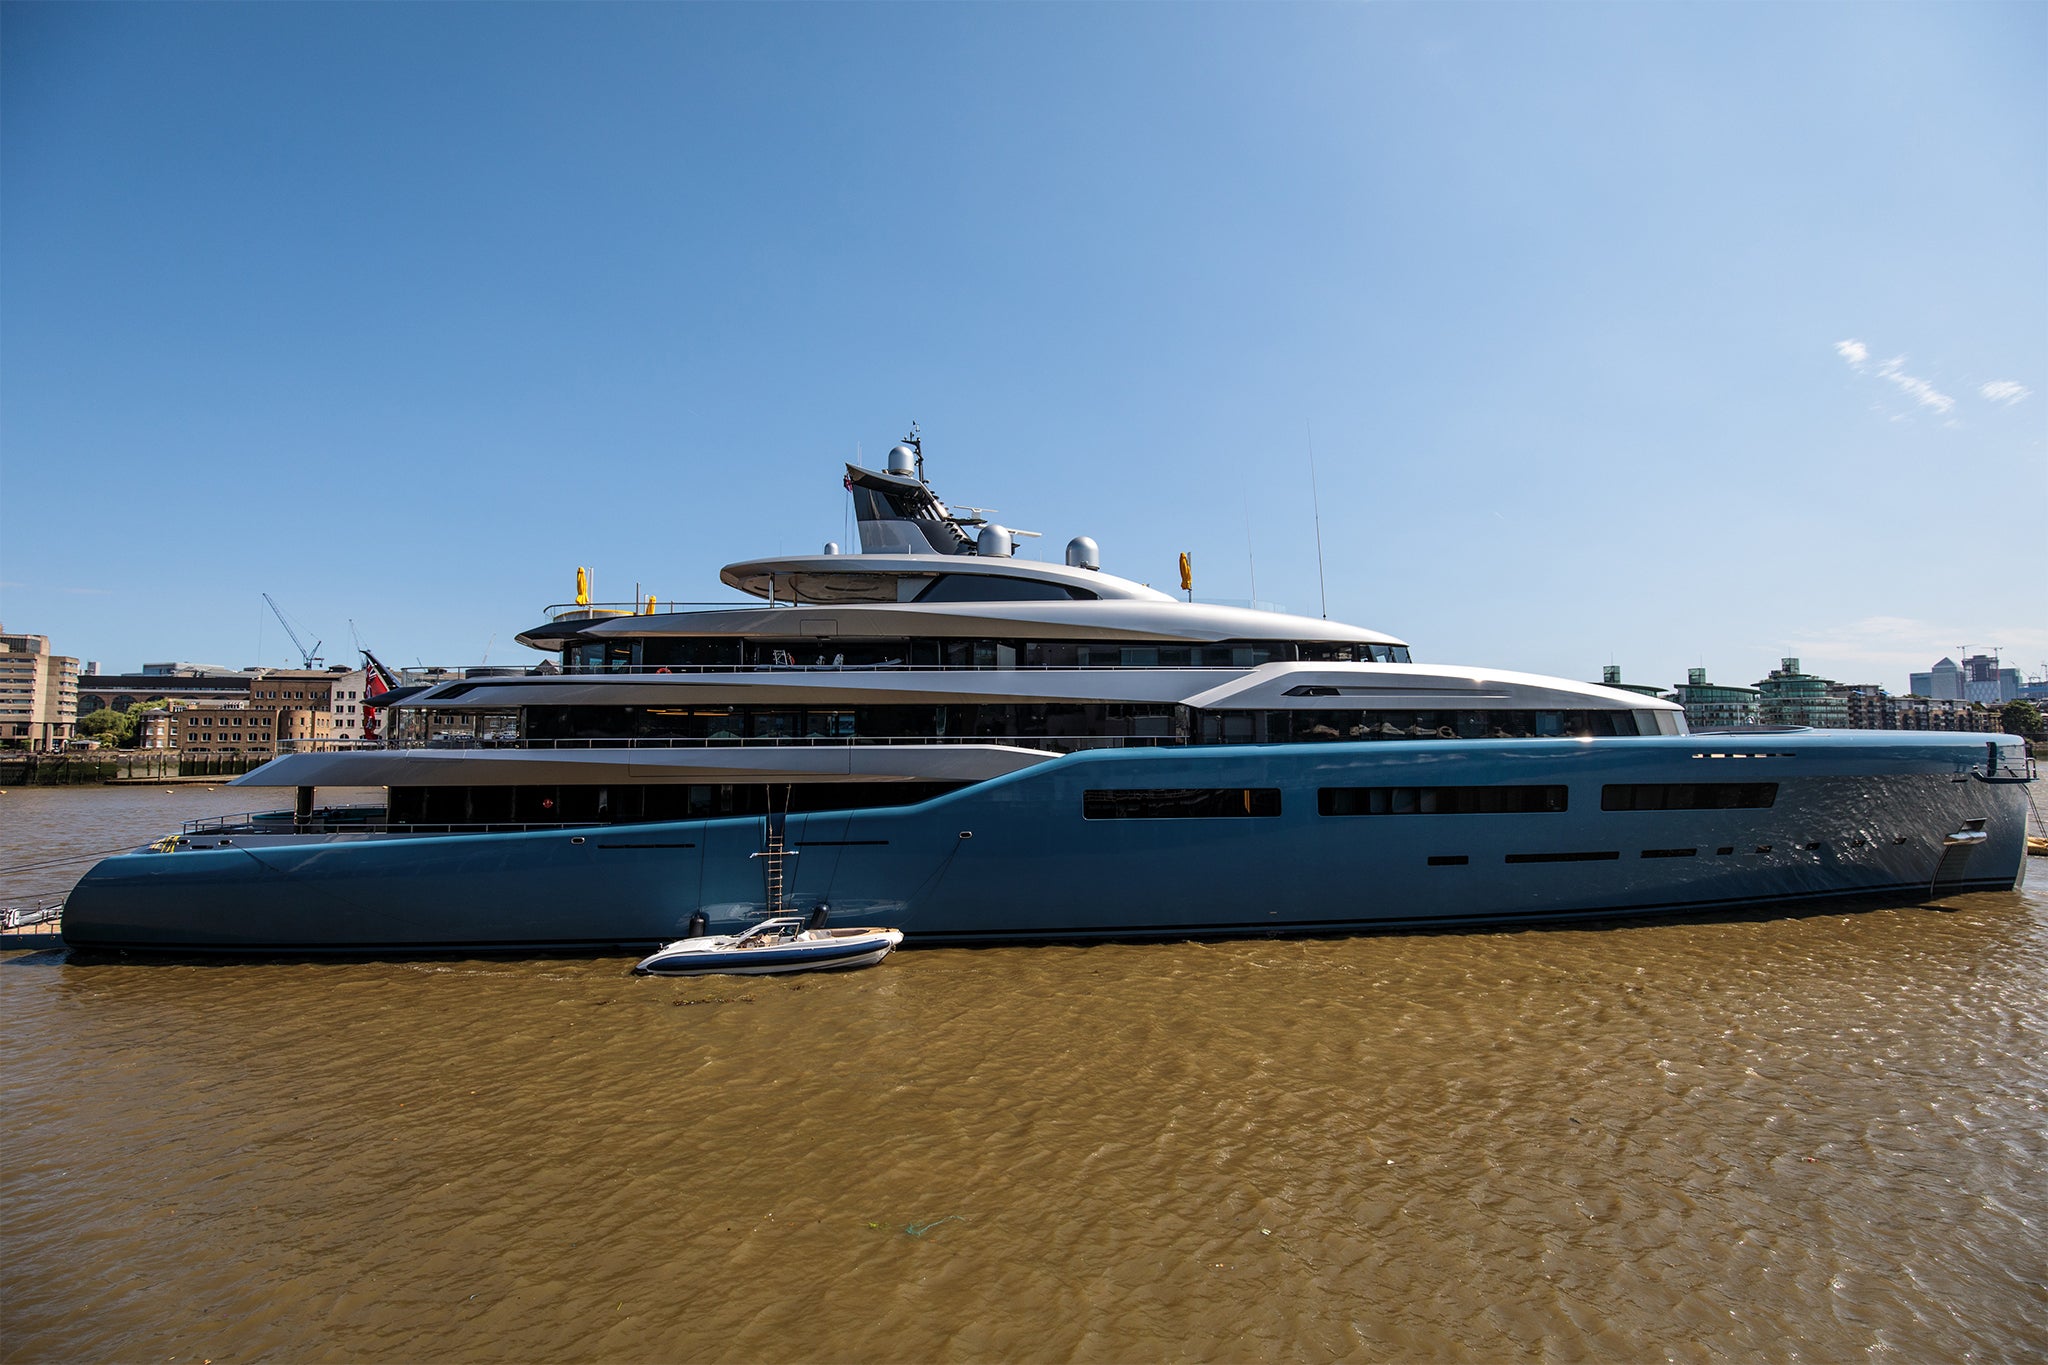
(310, 658)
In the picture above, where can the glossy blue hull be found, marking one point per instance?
(1855, 815)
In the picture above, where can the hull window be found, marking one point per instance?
(1441, 800)
(1689, 796)
(1181, 803)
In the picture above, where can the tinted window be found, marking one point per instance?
(970, 587)
(1689, 796)
(1171, 803)
(1440, 800)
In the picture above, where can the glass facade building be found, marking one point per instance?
(1790, 697)
(1712, 705)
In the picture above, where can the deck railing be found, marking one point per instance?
(362, 820)
(1057, 743)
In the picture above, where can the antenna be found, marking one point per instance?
(1316, 503)
(915, 440)
(1249, 562)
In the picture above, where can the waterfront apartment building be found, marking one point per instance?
(38, 693)
(225, 729)
(1869, 708)
(1712, 705)
(155, 729)
(1610, 676)
(246, 730)
(306, 689)
(337, 693)
(1791, 697)
(334, 694)
(345, 707)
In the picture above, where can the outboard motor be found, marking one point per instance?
(817, 920)
(700, 925)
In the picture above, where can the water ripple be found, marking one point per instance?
(1797, 1138)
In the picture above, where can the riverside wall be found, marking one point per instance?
(24, 769)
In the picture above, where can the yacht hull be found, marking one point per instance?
(1854, 816)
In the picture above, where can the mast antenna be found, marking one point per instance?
(1316, 504)
(916, 443)
(1250, 562)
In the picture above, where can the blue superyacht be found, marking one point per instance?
(940, 737)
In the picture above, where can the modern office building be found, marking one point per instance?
(1710, 705)
(1943, 682)
(1984, 681)
(38, 693)
(1977, 678)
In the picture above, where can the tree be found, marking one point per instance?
(108, 726)
(2021, 718)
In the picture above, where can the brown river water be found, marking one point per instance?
(1803, 1138)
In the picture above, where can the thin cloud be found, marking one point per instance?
(1919, 390)
(2005, 391)
(1893, 372)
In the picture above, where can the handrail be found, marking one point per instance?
(559, 612)
(264, 822)
(464, 742)
(285, 817)
(590, 670)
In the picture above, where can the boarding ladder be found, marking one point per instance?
(774, 849)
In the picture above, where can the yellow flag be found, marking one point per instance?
(582, 586)
(1187, 572)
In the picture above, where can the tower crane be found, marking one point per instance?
(309, 657)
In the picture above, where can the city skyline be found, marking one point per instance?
(191, 667)
(1659, 337)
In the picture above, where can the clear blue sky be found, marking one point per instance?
(1653, 334)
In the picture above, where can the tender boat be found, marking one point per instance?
(782, 943)
(935, 735)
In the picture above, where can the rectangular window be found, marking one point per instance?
(1174, 803)
(1563, 857)
(1689, 796)
(1441, 800)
